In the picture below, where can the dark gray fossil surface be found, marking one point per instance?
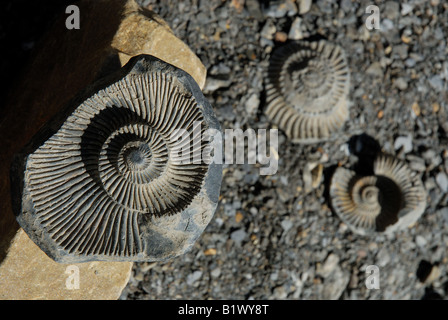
(104, 180)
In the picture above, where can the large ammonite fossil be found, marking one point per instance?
(306, 90)
(391, 199)
(102, 183)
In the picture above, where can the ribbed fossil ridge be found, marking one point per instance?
(106, 178)
(391, 199)
(307, 88)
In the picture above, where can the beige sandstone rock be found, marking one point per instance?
(65, 63)
(142, 31)
(27, 273)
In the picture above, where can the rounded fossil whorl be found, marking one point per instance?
(108, 175)
(307, 88)
(391, 199)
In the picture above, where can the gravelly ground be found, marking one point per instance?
(272, 237)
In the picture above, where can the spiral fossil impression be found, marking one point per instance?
(307, 88)
(392, 198)
(104, 186)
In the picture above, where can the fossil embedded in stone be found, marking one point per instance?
(391, 199)
(101, 183)
(307, 90)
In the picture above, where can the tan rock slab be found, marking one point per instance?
(30, 274)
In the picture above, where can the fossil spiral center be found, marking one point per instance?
(370, 194)
(310, 80)
(366, 195)
(137, 155)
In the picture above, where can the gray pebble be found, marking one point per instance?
(386, 25)
(383, 257)
(405, 142)
(304, 6)
(252, 104)
(329, 265)
(401, 83)
(280, 293)
(268, 30)
(442, 181)
(286, 225)
(444, 213)
(416, 163)
(216, 272)
(392, 9)
(193, 277)
(238, 236)
(406, 8)
(375, 70)
(410, 63)
(335, 285)
(420, 241)
(436, 83)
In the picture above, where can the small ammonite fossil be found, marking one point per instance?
(307, 89)
(100, 183)
(391, 199)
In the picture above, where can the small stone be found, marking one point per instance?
(442, 181)
(268, 30)
(213, 84)
(304, 6)
(383, 257)
(435, 107)
(286, 225)
(416, 163)
(406, 39)
(335, 285)
(420, 241)
(193, 277)
(316, 175)
(146, 266)
(433, 275)
(280, 293)
(215, 272)
(238, 217)
(373, 246)
(404, 142)
(386, 25)
(401, 51)
(401, 83)
(252, 104)
(295, 32)
(436, 82)
(416, 108)
(427, 272)
(375, 70)
(444, 213)
(392, 9)
(238, 5)
(139, 276)
(406, 8)
(354, 279)
(280, 36)
(210, 252)
(410, 63)
(238, 236)
(329, 265)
